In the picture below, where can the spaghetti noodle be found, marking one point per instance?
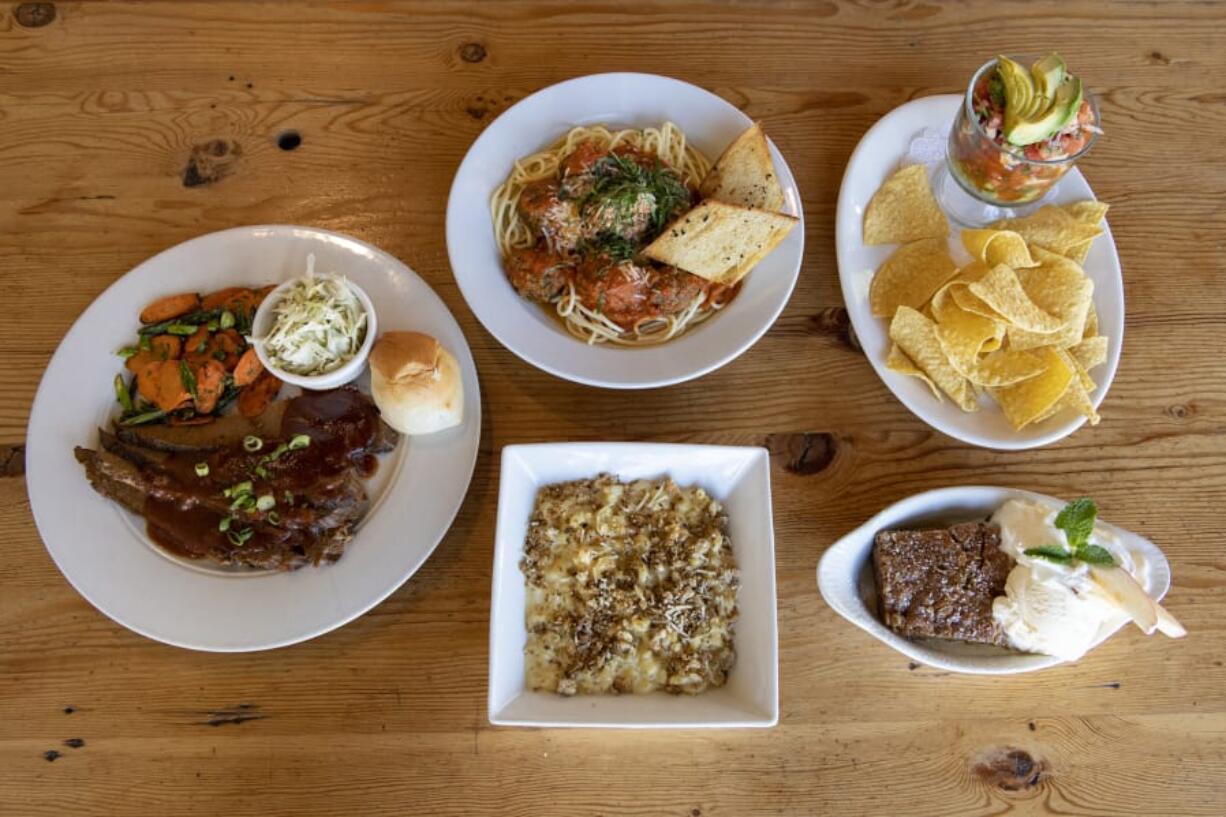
(514, 233)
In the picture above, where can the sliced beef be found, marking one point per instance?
(184, 480)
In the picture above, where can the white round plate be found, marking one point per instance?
(103, 550)
(629, 100)
(845, 577)
(875, 158)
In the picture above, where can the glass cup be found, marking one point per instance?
(983, 180)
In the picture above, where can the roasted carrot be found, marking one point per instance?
(146, 370)
(197, 345)
(167, 347)
(210, 383)
(253, 399)
(248, 368)
(222, 297)
(172, 306)
(227, 346)
(161, 383)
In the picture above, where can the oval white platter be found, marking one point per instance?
(845, 577)
(874, 159)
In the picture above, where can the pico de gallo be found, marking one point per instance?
(1024, 130)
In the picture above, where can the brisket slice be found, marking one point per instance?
(317, 536)
(941, 583)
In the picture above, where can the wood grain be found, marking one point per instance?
(105, 108)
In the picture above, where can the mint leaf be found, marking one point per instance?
(1076, 519)
(1050, 552)
(1096, 555)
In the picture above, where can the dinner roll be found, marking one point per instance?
(416, 383)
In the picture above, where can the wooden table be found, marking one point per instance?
(126, 128)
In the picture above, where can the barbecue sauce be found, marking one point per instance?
(313, 486)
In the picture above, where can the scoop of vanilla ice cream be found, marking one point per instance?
(1051, 608)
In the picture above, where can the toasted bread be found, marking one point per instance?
(745, 175)
(720, 241)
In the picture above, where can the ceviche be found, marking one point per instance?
(1020, 130)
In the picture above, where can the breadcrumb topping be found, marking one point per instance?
(631, 588)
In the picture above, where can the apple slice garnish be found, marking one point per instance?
(1146, 613)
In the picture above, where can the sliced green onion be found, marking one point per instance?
(127, 352)
(224, 524)
(187, 378)
(122, 395)
(202, 469)
(181, 329)
(252, 443)
(261, 472)
(289, 498)
(265, 502)
(239, 538)
(146, 343)
(299, 441)
(227, 319)
(273, 518)
(243, 503)
(141, 419)
(237, 489)
(211, 326)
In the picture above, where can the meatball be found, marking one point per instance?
(576, 169)
(673, 290)
(555, 219)
(627, 216)
(640, 157)
(619, 290)
(537, 273)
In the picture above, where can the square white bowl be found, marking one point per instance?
(739, 477)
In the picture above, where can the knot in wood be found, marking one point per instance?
(472, 52)
(1009, 768)
(804, 454)
(34, 15)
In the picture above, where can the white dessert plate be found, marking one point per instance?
(877, 156)
(845, 576)
(103, 550)
(627, 100)
(740, 479)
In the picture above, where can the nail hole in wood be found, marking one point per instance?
(289, 140)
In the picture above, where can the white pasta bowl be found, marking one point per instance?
(739, 477)
(845, 577)
(526, 329)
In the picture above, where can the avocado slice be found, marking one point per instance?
(1020, 96)
(1064, 106)
(1048, 73)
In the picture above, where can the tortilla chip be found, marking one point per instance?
(897, 361)
(1091, 352)
(992, 247)
(719, 241)
(916, 336)
(972, 272)
(964, 298)
(1050, 228)
(1078, 398)
(910, 276)
(904, 209)
(1002, 291)
(744, 174)
(1091, 327)
(1061, 289)
(1087, 212)
(1024, 402)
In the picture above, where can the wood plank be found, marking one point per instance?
(101, 109)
